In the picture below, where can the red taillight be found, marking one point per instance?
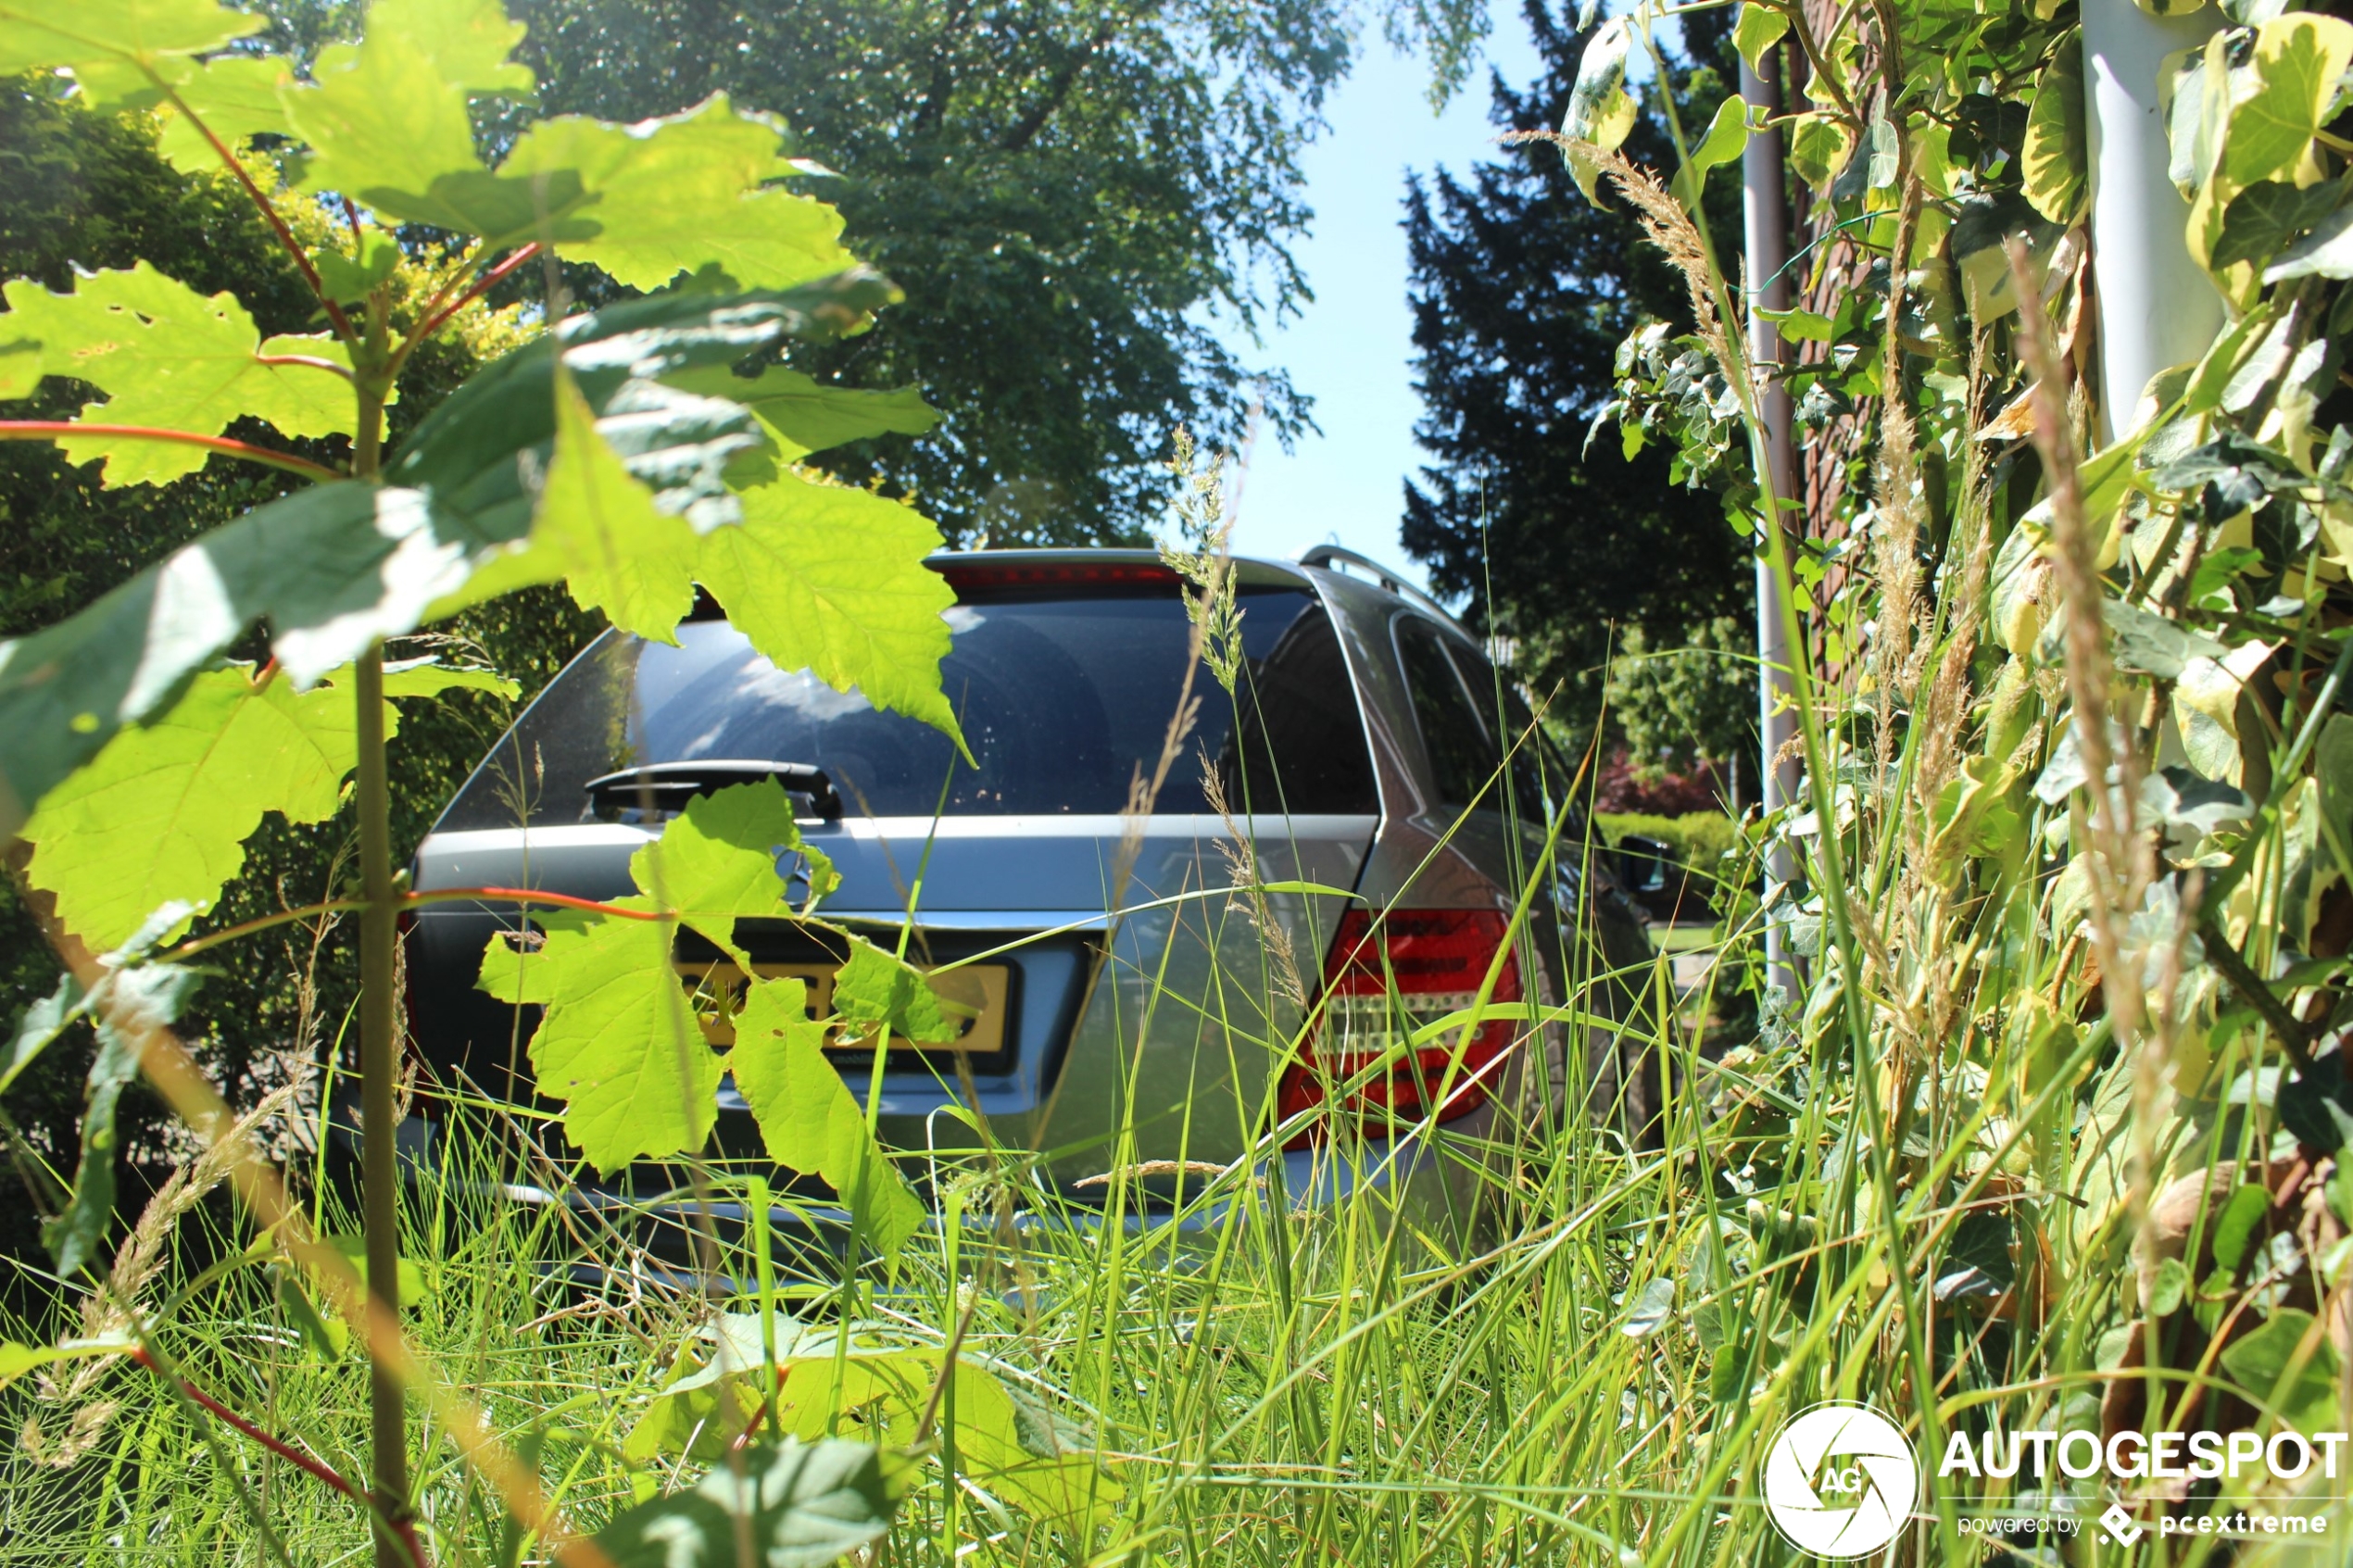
(1389, 975)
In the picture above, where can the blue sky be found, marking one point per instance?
(1351, 351)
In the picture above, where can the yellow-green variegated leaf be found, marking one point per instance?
(2298, 59)
(1727, 136)
(807, 1116)
(1600, 111)
(2056, 158)
(830, 579)
(169, 358)
(1819, 145)
(1759, 29)
(648, 202)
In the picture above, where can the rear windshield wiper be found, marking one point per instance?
(666, 787)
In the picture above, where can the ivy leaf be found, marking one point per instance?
(807, 1116)
(803, 1505)
(619, 1043)
(150, 994)
(339, 566)
(824, 577)
(1981, 233)
(2264, 218)
(167, 356)
(2055, 158)
(1599, 109)
(802, 416)
(2298, 61)
(616, 551)
(1726, 137)
(1819, 148)
(2326, 252)
(648, 202)
(1759, 29)
(163, 812)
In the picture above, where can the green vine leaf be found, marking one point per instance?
(1726, 137)
(832, 578)
(389, 127)
(802, 415)
(677, 195)
(1010, 1437)
(802, 1505)
(808, 1118)
(619, 1043)
(880, 990)
(617, 551)
(236, 96)
(1759, 28)
(168, 357)
(110, 45)
(163, 812)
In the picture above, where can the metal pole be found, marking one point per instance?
(2157, 306)
(1765, 212)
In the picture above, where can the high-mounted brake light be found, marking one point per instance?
(965, 576)
(1388, 976)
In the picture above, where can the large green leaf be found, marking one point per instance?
(163, 812)
(112, 44)
(340, 566)
(617, 1042)
(2298, 58)
(832, 578)
(803, 415)
(1012, 1440)
(648, 202)
(169, 358)
(617, 551)
(802, 1505)
(237, 96)
(807, 1116)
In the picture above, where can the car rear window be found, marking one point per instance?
(1063, 696)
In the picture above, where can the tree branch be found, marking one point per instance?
(52, 430)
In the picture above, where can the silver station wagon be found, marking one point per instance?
(1127, 1010)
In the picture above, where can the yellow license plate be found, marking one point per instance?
(973, 996)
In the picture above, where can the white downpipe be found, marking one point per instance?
(1765, 218)
(2156, 306)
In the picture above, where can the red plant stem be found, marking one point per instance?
(285, 1451)
(268, 213)
(51, 430)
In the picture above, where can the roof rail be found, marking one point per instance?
(1325, 556)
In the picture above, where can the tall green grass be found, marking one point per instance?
(1585, 1368)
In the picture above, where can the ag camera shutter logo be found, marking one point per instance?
(1840, 1480)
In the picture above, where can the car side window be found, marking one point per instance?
(1536, 781)
(1298, 745)
(1462, 757)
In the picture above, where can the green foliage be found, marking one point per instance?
(1697, 841)
(162, 814)
(1522, 290)
(1684, 705)
(1069, 194)
(800, 1505)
